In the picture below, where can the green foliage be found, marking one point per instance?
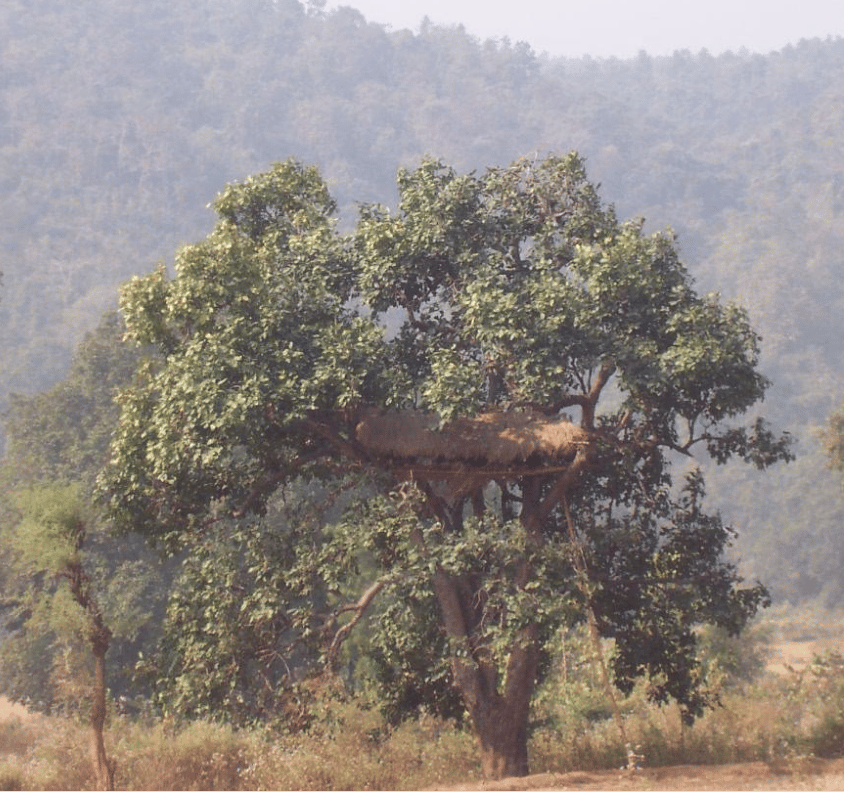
(708, 142)
(57, 441)
(509, 290)
(44, 546)
(407, 649)
(651, 603)
(49, 535)
(241, 352)
(572, 696)
(229, 645)
(730, 661)
(257, 332)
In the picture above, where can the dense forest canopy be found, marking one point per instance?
(119, 123)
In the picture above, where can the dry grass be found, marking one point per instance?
(497, 438)
(780, 724)
(353, 750)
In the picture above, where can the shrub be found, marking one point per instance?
(11, 776)
(16, 737)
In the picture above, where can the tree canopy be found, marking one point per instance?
(506, 374)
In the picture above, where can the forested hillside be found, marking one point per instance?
(119, 122)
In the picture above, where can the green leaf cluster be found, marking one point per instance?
(511, 290)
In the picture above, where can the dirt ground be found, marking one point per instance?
(796, 654)
(806, 774)
(8, 709)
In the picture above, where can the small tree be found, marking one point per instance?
(509, 368)
(54, 438)
(48, 542)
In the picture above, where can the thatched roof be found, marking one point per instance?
(490, 438)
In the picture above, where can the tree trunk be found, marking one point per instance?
(499, 720)
(498, 709)
(501, 731)
(100, 638)
(103, 767)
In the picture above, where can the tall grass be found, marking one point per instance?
(353, 752)
(774, 718)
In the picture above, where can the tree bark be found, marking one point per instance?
(104, 768)
(100, 638)
(498, 709)
(502, 738)
(499, 720)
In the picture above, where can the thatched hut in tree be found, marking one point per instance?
(497, 444)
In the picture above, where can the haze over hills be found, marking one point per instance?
(120, 122)
(617, 28)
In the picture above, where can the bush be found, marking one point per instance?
(11, 776)
(816, 699)
(16, 737)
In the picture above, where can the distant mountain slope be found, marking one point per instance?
(120, 121)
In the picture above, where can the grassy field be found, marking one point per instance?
(791, 714)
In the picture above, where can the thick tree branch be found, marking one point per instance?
(587, 402)
(587, 420)
(349, 448)
(471, 676)
(474, 675)
(359, 609)
(568, 401)
(99, 637)
(559, 489)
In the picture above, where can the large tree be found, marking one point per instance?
(506, 372)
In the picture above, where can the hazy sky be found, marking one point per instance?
(622, 28)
